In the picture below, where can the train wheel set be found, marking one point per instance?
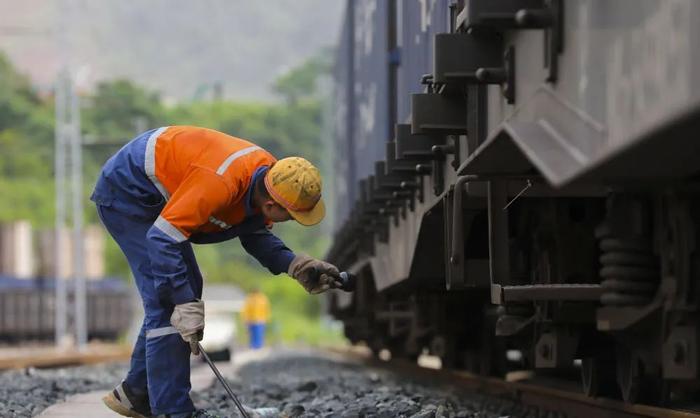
(524, 179)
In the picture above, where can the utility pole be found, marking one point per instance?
(68, 137)
(78, 251)
(61, 112)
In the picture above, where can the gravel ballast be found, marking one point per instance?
(306, 386)
(27, 392)
(295, 383)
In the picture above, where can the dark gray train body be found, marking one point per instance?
(521, 175)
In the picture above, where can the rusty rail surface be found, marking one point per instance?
(46, 357)
(569, 403)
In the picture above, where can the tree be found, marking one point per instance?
(301, 82)
(26, 134)
(120, 108)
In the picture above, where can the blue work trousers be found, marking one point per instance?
(256, 334)
(160, 365)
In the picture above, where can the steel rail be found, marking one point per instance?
(53, 358)
(569, 403)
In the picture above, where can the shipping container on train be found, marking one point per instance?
(416, 24)
(519, 187)
(361, 99)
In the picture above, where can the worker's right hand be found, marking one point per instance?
(188, 320)
(303, 268)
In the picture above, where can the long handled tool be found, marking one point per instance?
(344, 281)
(223, 381)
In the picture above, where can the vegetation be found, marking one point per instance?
(114, 113)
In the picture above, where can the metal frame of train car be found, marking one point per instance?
(540, 195)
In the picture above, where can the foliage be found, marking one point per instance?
(26, 135)
(301, 82)
(282, 130)
(119, 108)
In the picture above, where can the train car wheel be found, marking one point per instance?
(634, 383)
(629, 376)
(404, 349)
(598, 377)
(441, 347)
(376, 345)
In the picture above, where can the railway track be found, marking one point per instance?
(326, 385)
(50, 357)
(541, 397)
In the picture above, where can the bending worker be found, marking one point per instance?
(178, 185)
(255, 314)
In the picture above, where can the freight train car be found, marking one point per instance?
(27, 309)
(519, 176)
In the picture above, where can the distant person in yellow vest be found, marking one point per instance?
(256, 313)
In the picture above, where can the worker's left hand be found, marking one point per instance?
(188, 320)
(303, 268)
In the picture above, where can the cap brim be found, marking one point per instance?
(310, 217)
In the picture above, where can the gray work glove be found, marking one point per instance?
(302, 267)
(188, 320)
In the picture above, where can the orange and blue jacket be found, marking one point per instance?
(193, 184)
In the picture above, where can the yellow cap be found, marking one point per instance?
(295, 183)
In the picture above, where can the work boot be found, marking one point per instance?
(123, 401)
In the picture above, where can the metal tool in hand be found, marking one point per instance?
(223, 381)
(344, 281)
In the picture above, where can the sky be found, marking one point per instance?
(180, 48)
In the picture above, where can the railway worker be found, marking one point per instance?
(255, 314)
(177, 185)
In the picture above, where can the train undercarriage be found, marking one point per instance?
(603, 284)
(510, 227)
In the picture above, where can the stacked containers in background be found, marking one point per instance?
(27, 308)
